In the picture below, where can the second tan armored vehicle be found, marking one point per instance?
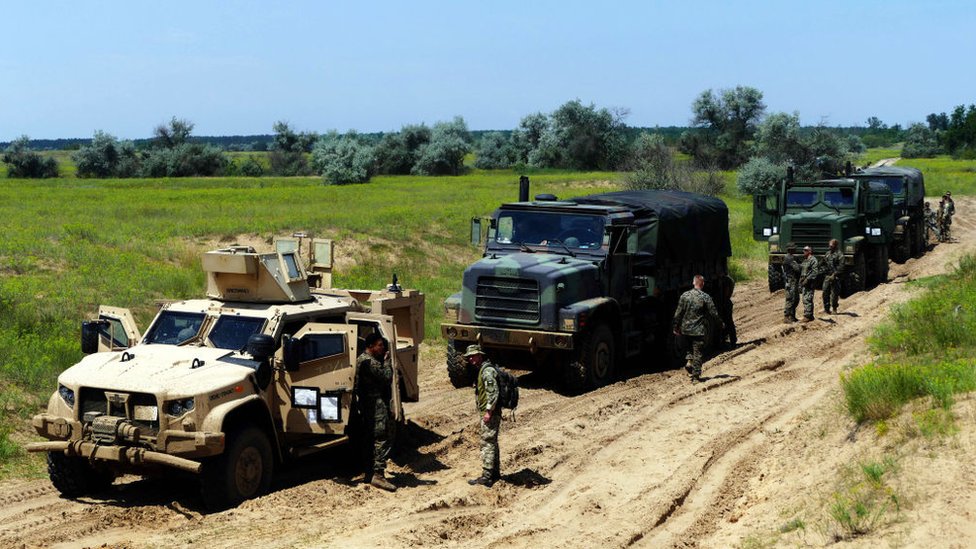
(229, 386)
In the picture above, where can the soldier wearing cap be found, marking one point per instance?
(486, 398)
(375, 388)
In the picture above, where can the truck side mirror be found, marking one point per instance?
(475, 231)
(89, 335)
(291, 352)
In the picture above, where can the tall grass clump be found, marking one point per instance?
(926, 349)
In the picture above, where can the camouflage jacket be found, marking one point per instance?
(930, 217)
(791, 269)
(486, 391)
(833, 262)
(808, 271)
(694, 308)
(375, 377)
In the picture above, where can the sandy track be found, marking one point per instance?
(650, 461)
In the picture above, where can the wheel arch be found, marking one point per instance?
(251, 410)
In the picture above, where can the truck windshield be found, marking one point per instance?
(173, 328)
(801, 198)
(232, 332)
(896, 184)
(550, 229)
(843, 198)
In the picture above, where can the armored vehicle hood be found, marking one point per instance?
(159, 369)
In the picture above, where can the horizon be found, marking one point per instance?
(235, 69)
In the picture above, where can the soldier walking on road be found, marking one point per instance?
(791, 284)
(489, 408)
(808, 279)
(695, 309)
(375, 388)
(833, 266)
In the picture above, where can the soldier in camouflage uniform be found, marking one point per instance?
(833, 266)
(809, 269)
(486, 397)
(375, 378)
(695, 309)
(947, 208)
(791, 284)
(931, 224)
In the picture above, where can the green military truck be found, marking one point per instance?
(579, 285)
(908, 191)
(857, 212)
(227, 387)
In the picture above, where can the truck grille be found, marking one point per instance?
(815, 235)
(96, 400)
(507, 299)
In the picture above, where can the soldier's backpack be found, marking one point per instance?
(508, 390)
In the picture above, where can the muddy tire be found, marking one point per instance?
(74, 476)
(457, 367)
(775, 277)
(594, 363)
(882, 267)
(242, 472)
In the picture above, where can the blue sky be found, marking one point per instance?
(70, 68)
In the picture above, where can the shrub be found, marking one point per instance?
(444, 155)
(106, 156)
(344, 159)
(759, 175)
(22, 162)
(494, 152)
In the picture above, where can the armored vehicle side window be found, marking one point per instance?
(114, 332)
(232, 332)
(291, 264)
(843, 198)
(173, 328)
(896, 184)
(801, 198)
(316, 346)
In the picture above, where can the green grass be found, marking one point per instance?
(943, 173)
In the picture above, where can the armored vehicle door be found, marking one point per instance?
(623, 246)
(765, 214)
(119, 330)
(315, 392)
(367, 323)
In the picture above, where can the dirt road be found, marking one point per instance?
(650, 461)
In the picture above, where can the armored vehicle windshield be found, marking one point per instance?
(554, 229)
(832, 198)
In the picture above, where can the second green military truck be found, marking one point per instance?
(908, 194)
(579, 285)
(858, 212)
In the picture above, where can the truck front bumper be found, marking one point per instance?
(167, 443)
(511, 338)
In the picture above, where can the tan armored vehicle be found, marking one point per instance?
(230, 386)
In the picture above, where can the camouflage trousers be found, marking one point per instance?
(695, 354)
(792, 299)
(380, 437)
(489, 442)
(807, 302)
(831, 292)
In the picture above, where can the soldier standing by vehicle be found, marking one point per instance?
(695, 309)
(833, 266)
(948, 208)
(375, 386)
(931, 224)
(809, 269)
(791, 280)
(486, 397)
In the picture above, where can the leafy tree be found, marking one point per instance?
(779, 139)
(494, 152)
(22, 162)
(106, 156)
(174, 155)
(760, 174)
(921, 142)
(444, 155)
(655, 167)
(526, 137)
(250, 167)
(288, 150)
(579, 137)
(343, 159)
(727, 122)
(397, 153)
(176, 133)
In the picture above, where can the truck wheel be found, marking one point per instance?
(74, 476)
(857, 278)
(775, 277)
(902, 250)
(242, 472)
(882, 265)
(594, 361)
(457, 367)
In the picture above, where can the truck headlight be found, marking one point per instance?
(774, 246)
(569, 324)
(848, 248)
(67, 395)
(178, 407)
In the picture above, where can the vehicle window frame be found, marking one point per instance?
(151, 333)
(262, 322)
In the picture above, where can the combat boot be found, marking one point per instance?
(486, 479)
(807, 319)
(789, 319)
(380, 481)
